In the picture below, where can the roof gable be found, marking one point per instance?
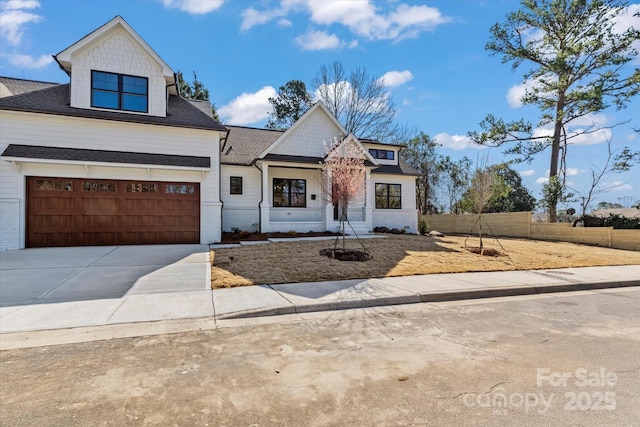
(309, 135)
(341, 149)
(64, 58)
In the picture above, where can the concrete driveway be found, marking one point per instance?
(67, 287)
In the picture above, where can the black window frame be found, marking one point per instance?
(290, 194)
(384, 198)
(121, 93)
(382, 154)
(233, 187)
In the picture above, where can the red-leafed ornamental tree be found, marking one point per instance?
(343, 182)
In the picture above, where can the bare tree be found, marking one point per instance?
(486, 186)
(597, 173)
(359, 101)
(343, 178)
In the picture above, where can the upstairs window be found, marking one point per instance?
(119, 92)
(382, 154)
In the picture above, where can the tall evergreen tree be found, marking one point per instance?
(196, 91)
(579, 65)
(291, 102)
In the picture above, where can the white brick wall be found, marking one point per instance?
(9, 224)
(117, 52)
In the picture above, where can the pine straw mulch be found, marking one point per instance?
(399, 255)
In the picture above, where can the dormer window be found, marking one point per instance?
(119, 92)
(381, 154)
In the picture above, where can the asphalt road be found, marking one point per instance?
(557, 359)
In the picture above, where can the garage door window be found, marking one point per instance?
(53, 184)
(102, 187)
(180, 189)
(142, 187)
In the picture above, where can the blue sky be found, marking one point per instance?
(430, 53)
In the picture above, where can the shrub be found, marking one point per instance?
(395, 231)
(381, 229)
(613, 220)
(292, 232)
(244, 234)
(423, 227)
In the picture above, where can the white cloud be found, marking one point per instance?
(344, 91)
(195, 7)
(517, 92)
(318, 40)
(284, 23)
(583, 130)
(616, 186)
(572, 171)
(528, 172)
(14, 17)
(248, 108)
(456, 142)
(362, 18)
(396, 78)
(406, 102)
(27, 61)
(542, 180)
(627, 20)
(597, 137)
(252, 17)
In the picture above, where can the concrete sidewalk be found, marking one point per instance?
(149, 304)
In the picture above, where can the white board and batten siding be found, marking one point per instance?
(241, 211)
(70, 132)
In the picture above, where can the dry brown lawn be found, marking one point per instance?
(399, 255)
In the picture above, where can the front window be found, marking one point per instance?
(235, 185)
(388, 196)
(119, 92)
(289, 193)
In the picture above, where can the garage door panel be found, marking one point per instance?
(90, 212)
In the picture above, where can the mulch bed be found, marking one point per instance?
(484, 251)
(258, 237)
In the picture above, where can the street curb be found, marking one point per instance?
(430, 297)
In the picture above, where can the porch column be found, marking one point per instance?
(328, 206)
(265, 225)
(369, 199)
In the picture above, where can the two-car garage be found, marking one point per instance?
(89, 212)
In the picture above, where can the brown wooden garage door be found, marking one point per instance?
(96, 212)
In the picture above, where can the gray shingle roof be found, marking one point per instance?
(244, 144)
(83, 155)
(15, 86)
(55, 100)
(403, 168)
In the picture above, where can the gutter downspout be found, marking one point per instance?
(226, 137)
(261, 199)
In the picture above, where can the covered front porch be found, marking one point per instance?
(294, 198)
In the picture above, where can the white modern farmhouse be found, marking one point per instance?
(116, 156)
